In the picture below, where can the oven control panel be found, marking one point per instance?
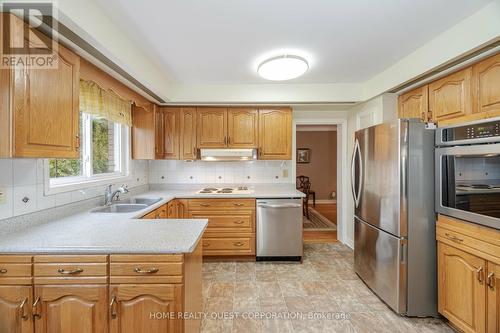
(476, 131)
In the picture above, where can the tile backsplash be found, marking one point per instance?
(24, 178)
(200, 172)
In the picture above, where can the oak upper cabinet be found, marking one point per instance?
(15, 309)
(71, 308)
(187, 150)
(131, 306)
(39, 110)
(212, 128)
(486, 83)
(275, 134)
(171, 132)
(414, 104)
(159, 135)
(144, 132)
(461, 280)
(493, 283)
(450, 97)
(242, 128)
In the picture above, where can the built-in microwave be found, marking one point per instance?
(468, 172)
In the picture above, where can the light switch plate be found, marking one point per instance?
(3, 195)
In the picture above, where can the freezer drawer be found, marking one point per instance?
(380, 261)
(279, 228)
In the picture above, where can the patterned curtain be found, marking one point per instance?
(104, 103)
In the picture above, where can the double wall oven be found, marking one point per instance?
(468, 172)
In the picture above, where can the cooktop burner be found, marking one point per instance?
(225, 190)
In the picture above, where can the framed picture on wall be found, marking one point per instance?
(303, 155)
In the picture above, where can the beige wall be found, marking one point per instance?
(322, 170)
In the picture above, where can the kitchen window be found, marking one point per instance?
(104, 144)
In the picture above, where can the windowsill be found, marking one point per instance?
(51, 189)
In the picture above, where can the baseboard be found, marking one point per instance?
(323, 201)
(350, 243)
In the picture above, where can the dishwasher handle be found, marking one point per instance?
(291, 205)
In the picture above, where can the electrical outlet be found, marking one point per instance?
(3, 195)
(285, 173)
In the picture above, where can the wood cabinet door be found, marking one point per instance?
(145, 308)
(46, 109)
(462, 288)
(181, 208)
(159, 134)
(143, 132)
(450, 97)
(414, 104)
(211, 128)
(188, 134)
(493, 282)
(71, 308)
(485, 85)
(172, 209)
(275, 134)
(242, 128)
(171, 133)
(15, 305)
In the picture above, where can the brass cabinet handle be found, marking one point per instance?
(454, 238)
(225, 140)
(238, 204)
(206, 244)
(72, 272)
(239, 244)
(146, 271)
(194, 151)
(260, 152)
(490, 280)
(205, 205)
(480, 274)
(3, 270)
(77, 143)
(228, 140)
(112, 308)
(35, 306)
(239, 222)
(22, 307)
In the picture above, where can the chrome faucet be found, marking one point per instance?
(109, 195)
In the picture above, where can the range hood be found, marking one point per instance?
(228, 154)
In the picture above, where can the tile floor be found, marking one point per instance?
(325, 284)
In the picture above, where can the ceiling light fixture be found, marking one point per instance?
(284, 67)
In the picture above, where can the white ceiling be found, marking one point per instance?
(221, 41)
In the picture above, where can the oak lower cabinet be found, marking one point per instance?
(493, 299)
(145, 308)
(101, 293)
(414, 104)
(231, 226)
(468, 275)
(15, 309)
(275, 134)
(70, 308)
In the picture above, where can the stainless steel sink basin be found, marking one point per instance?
(120, 208)
(142, 201)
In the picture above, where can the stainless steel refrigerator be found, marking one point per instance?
(394, 227)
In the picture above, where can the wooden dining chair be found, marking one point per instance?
(300, 180)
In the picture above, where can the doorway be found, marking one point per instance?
(316, 173)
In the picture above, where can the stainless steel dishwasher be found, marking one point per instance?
(279, 229)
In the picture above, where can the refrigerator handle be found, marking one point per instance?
(361, 175)
(355, 194)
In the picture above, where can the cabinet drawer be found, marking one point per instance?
(70, 269)
(146, 269)
(229, 246)
(226, 222)
(14, 270)
(204, 204)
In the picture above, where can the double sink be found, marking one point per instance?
(127, 206)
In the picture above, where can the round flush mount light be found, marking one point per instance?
(284, 67)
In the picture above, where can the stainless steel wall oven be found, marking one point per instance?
(468, 172)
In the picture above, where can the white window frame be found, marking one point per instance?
(88, 179)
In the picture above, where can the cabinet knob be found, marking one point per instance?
(3, 270)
